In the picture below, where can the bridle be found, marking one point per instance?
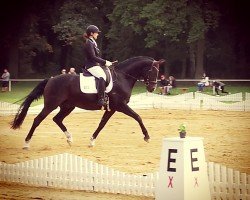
(147, 79)
(155, 69)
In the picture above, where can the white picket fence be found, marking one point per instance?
(228, 184)
(73, 172)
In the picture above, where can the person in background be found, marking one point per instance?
(203, 83)
(219, 86)
(72, 71)
(201, 86)
(5, 81)
(162, 84)
(63, 71)
(170, 84)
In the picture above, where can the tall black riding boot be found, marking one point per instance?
(101, 90)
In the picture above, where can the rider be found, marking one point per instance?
(94, 61)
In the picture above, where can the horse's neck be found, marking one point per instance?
(134, 70)
(131, 70)
(126, 77)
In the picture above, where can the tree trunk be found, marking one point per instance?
(184, 67)
(192, 60)
(199, 67)
(13, 63)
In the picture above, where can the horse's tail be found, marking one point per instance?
(35, 94)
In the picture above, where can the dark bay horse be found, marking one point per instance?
(64, 91)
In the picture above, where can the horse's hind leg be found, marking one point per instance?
(38, 119)
(64, 111)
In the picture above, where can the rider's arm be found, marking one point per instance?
(91, 52)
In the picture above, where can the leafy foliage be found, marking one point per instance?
(49, 36)
(164, 19)
(72, 22)
(32, 45)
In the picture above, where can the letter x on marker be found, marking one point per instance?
(196, 182)
(170, 184)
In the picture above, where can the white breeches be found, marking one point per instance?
(98, 72)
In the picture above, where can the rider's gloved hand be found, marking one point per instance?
(108, 63)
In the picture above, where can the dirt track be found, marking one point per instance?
(120, 145)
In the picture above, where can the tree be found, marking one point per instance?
(164, 21)
(126, 36)
(46, 35)
(74, 17)
(33, 48)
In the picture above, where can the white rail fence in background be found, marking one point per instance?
(192, 101)
(74, 172)
(21, 80)
(8, 108)
(186, 101)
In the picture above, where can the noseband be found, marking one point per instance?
(152, 69)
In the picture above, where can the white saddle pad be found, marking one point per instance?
(88, 84)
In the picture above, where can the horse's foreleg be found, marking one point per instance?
(40, 117)
(106, 116)
(128, 111)
(64, 111)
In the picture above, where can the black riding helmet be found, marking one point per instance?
(92, 29)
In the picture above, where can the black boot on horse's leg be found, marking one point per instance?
(101, 95)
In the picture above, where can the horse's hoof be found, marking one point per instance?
(92, 142)
(147, 140)
(69, 142)
(26, 145)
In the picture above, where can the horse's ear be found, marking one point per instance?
(161, 61)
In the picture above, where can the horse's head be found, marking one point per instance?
(151, 76)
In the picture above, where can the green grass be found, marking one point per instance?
(22, 89)
(19, 90)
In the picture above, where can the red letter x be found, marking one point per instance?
(170, 184)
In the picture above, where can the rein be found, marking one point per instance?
(147, 80)
(114, 70)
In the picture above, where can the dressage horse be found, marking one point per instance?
(64, 91)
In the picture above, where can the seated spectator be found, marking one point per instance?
(5, 82)
(200, 86)
(219, 86)
(162, 84)
(206, 81)
(203, 83)
(171, 84)
(63, 71)
(72, 71)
